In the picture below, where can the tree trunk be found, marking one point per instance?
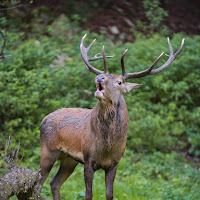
(20, 182)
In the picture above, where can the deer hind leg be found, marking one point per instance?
(47, 161)
(67, 166)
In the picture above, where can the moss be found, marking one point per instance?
(19, 182)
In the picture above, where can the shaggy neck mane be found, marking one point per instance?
(107, 121)
(106, 111)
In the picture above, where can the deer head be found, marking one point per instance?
(111, 86)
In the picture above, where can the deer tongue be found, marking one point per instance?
(100, 91)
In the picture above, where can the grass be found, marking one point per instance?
(140, 177)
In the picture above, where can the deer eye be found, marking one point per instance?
(119, 82)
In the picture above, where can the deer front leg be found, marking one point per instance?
(88, 175)
(110, 176)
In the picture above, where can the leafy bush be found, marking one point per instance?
(154, 13)
(47, 73)
(166, 111)
(154, 17)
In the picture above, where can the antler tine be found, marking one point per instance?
(180, 49)
(104, 61)
(144, 72)
(170, 47)
(122, 63)
(98, 58)
(89, 47)
(86, 59)
(171, 58)
(149, 71)
(84, 54)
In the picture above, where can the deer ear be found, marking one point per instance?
(127, 87)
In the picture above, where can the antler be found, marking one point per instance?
(86, 59)
(149, 71)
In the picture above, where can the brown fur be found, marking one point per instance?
(96, 138)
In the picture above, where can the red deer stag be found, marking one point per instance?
(95, 137)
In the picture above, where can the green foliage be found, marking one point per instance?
(46, 72)
(166, 109)
(170, 174)
(155, 15)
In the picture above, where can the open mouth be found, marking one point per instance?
(99, 94)
(99, 87)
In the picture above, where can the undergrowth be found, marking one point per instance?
(46, 72)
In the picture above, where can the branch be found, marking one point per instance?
(17, 6)
(4, 44)
(19, 181)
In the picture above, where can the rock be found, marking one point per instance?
(114, 30)
(129, 22)
(120, 10)
(103, 28)
(122, 36)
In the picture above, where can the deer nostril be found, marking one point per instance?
(99, 78)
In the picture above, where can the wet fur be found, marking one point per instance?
(95, 137)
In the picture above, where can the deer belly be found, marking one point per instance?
(78, 156)
(70, 144)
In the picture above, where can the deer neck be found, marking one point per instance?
(107, 110)
(109, 124)
(109, 117)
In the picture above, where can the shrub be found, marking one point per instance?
(47, 73)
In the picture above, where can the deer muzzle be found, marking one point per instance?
(100, 82)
